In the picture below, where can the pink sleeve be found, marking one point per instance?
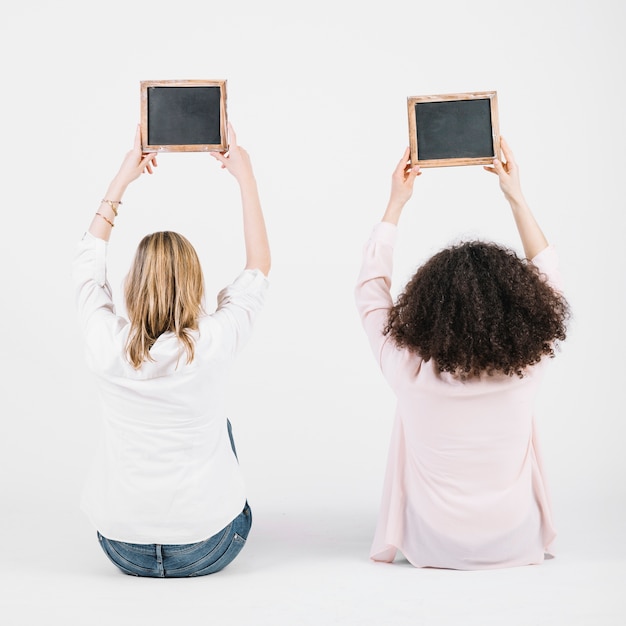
(372, 292)
(547, 262)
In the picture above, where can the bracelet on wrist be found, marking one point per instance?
(106, 219)
(114, 204)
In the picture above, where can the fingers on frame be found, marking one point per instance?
(506, 150)
(404, 162)
(218, 156)
(232, 136)
(137, 142)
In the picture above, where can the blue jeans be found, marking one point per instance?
(182, 560)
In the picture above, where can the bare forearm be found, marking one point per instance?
(238, 163)
(402, 181)
(255, 233)
(104, 218)
(393, 212)
(533, 239)
(133, 165)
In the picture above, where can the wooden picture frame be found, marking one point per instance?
(183, 116)
(454, 129)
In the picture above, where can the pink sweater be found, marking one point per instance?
(464, 486)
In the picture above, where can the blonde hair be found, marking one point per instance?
(163, 292)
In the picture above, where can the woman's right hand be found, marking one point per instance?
(236, 160)
(508, 173)
(533, 239)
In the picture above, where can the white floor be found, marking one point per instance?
(305, 567)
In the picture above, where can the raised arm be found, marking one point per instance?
(402, 181)
(533, 239)
(237, 162)
(133, 165)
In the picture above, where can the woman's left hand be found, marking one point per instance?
(402, 181)
(135, 162)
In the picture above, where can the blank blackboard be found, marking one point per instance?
(183, 116)
(453, 129)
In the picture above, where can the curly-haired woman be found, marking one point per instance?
(464, 349)
(165, 491)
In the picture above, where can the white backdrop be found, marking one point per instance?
(317, 94)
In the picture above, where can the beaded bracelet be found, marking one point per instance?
(106, 219)
(113, 204)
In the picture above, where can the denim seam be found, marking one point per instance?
(195, 546)
(220, 543)
(125, 560)
(216, 565)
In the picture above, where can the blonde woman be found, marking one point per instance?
(165, 491)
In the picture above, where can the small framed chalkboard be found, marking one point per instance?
(454, 129)
(183, 116)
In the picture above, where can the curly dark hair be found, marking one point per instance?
(476, 307)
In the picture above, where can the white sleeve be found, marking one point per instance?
(238, 306)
